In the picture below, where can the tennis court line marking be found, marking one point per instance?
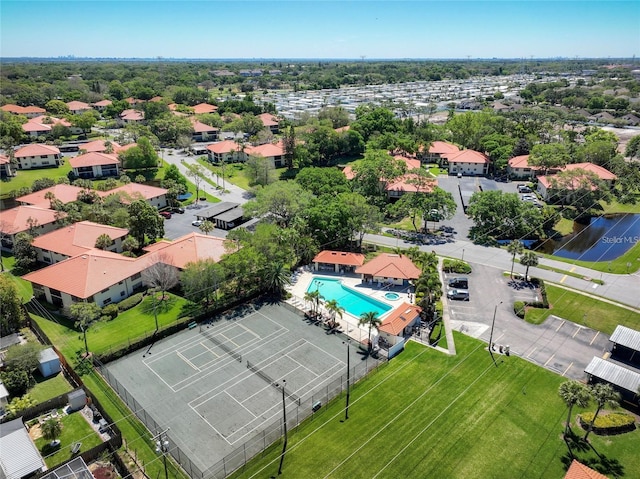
(228, 340)
(240, 403)
(179, 354)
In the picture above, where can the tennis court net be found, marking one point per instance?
(272, 382)
(224, 347)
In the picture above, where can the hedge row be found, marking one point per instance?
(519, 307)
(130, 302)
(456, 266)
(612, 423)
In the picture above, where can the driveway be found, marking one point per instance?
(180, 224)
(558, 345)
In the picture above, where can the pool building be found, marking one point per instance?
(388, 268)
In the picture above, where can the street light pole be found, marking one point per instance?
(346, 409)
(493, 322)
(284, 423)
(162, 446)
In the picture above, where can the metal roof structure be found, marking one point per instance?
(74, 469)
(614, 374)
(627, 337)
(19, 456)
(216, 209)
(231, 215)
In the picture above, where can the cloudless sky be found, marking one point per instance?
(320, 29)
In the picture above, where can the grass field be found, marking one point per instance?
(24, 287)
(27, 177)
(49, 388)
(584, 310)
(126, 327)
(427, 414)
(75, 428)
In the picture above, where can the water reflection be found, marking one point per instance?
(604, 239)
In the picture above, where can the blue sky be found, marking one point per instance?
(320, 29)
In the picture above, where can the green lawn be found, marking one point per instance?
(615, 207)
(47, 388)
(583, 310)
(75, 428)
(104, 335)
(24, 287)
(427, 414)
(27, 177)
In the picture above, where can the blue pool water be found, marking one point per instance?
(353, 302)
(392, 296)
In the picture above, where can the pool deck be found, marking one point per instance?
(348, 323)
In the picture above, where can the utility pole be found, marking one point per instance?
(162, 446)
(491, 334)
(346, 409)
(284, 423)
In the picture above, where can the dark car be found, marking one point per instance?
(458, 294)
(178, 210)
(459, 283)
(165, 214)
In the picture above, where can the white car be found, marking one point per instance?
(196, 222)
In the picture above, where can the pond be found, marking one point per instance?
(604, 239)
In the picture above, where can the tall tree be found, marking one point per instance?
(51, 429)
(259, 170)
(603, 395)
(282, 201)
(371, 320)
(84, 314)
(206, 227)
(514, 247)
(200, 280)
(103, 241)
(276, 276)
(549, 155)
(11, 312)
(24, 252)
(144, 221)
(197, 175)
(528, 259)
(334, 309)
(289, 146)
(573, 393)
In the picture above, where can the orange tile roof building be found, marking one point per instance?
(100, 146)
(75, 239)
(136, 191)
(204, 108)
(518, 168)
(203, 132)
(437, 151)
(270, 121)
(6, 168)
(228, 151)
(389, 268)
(337, 261)
(64, 193)
(189, 249)
(577, 470)
(274, 152)
(77, 107)
(467, 162)
(95, 165)
(545, 182)
(401, 320)
(99, 276)
(26, 218)
(28, 111)
(37, 156)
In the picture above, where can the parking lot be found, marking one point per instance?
(180, 224)
(557, 344)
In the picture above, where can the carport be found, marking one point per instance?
(626, 345)
(625, 381)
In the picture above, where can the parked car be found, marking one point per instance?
(460, 294)
(178, 210)
(196, 222)
(165, 214)
(524, 189)
(459, 283)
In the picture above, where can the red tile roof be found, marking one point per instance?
(93, 159)
(99, 146)
(348, 172)
(202, 108)
(4, 160)
(442, 147)
(467, 156)
(223, 147)
(411, 163)
(89, 273)
(64, 193)
(267, 150)
(189, 249)
(50, 121)
(398, 319)
(199, 127)
(521, 161)
(389, 265)
(30, 126)
(268, 119)
(22, 110)
(342, 129)
(132, 115)
(16, 220)
(36, 149)
(339, 257)
(404, 184)
(103, 103)
(577, 470)
(33, 109)
(77, 238)
(78, 105)
(135, 191)
(602, 173)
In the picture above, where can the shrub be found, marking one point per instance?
(130, 302)
(456, 266)
(518, 308)
(111, 311)
(611, 423)
(16, 382)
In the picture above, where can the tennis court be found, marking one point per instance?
(217, 385)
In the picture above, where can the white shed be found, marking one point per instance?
(49, 363)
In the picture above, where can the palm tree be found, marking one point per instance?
(573, 393)
(206, 227)
(314, 298)
(515, 247)
(370, 319)
(529, 258)
(51, 429)
(603, 395)
(334, 308)
(276, 277)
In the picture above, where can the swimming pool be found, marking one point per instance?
(392, 296)
(353, 302)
